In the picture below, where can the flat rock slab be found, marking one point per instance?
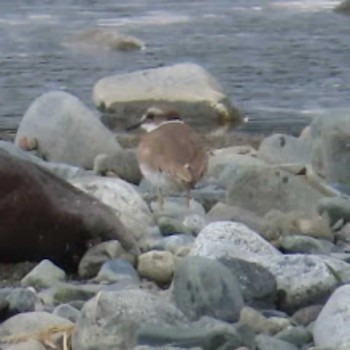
(188, 88)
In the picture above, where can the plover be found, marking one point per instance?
(170, 153)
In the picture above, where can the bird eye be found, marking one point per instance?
(150, 116)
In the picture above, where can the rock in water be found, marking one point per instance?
(188, 88)
(66, 130)
(42, 216)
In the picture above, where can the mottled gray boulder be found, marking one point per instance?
(332, 326)
(261, 189)
(343, 7)
(26, 345)
(337, 209)
(228, 240)
(204, 287)
(19, 300)
(66, 131)
(330, 146)
(298, 336)
(187, 88)
(45, 274)
(280, 148)
(67, 311)
(120, 315)
(43, 216)
(103, 38)
(125, 201)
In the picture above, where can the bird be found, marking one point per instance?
(170, 154)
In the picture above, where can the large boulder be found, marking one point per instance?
(330, 146)
(65, 130)
(188, 88)
(111, 320)
(42, 216)
(332, 327)
(260, 189)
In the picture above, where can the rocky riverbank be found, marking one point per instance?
(259, 261)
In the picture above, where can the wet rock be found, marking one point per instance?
(45, 274)
(45, 217)
(97, 255)
(186, 87)
(262, 189)
(157, 266)
(203, 287)
(332, 326)
(67, 311)
(103, 38)
(123, 164)
(265, 342)
(117, 270)
(126, 202)
(280, 148)
(64, 128)
(121, 314)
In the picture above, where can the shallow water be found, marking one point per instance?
(281, 62)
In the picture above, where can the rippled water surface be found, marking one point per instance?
(280, 61)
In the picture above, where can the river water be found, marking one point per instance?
(280, 61)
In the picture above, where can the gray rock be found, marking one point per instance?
(305, 245)
(261, 324)
(62, 170)
(190, 336)
(45, 274)
(298, 336)
(120, 315)
(97, 255)
(175, 242)
(103, 38)
(203, 287)
(265, 342)
(343, 7)
(306, 315)
(67, 311)
(21, 300)
(157, 266)
(280, 148)
(117, 270)
(30, 322)
(225, 212)
(187, 88)
(330, 147)
(258, 285)
(126, 202)
(26, 345)
(332, 326)
(64, 128)
(123, 163)
(336, 208)
(262, 189)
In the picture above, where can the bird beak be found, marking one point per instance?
(137, 125)
(134, 126)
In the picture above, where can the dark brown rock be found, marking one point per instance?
(42, 216)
